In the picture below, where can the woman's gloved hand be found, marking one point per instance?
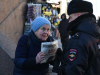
(57, 60)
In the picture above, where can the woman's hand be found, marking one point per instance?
(39, 57)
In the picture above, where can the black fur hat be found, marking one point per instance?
(79, 6)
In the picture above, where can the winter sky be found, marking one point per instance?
(96, 7)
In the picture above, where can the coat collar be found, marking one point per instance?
(34, 39)
(72, 25)
(83, 20)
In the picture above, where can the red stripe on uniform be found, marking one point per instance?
(92, 43)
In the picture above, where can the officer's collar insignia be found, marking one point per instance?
(72, 54)
(99, 46)
(76, 35)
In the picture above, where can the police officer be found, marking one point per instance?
(81, 55)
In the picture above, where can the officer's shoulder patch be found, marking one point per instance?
(77, 35)
(72, 54)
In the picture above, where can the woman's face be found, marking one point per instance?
(43, 32)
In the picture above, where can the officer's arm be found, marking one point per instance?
(76, 57)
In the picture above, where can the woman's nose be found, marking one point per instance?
(46, 31)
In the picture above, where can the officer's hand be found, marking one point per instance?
(39, 57)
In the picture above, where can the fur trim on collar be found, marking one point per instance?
(73, 25)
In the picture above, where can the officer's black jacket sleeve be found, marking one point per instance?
(79, 65)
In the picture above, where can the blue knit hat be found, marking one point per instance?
(39, 22)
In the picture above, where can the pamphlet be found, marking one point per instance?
(49, 48)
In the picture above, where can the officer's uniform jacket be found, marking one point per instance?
(82, 53)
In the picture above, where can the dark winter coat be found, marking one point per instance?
(82, 54)
(25, 62)
(63, 26)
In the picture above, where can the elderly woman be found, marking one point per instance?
(27, 60)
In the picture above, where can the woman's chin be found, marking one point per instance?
(44, 39)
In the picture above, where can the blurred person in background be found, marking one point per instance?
(98, 22)
(62, 29)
